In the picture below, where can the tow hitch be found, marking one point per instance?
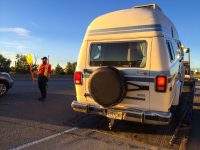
(111, 123)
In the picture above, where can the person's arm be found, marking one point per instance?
(35, 71)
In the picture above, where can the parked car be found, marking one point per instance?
(6, 82)
(130, 67)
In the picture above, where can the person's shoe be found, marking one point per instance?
(41, 99)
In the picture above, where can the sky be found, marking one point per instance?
(57, 27)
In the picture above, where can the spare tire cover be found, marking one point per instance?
(107, 86)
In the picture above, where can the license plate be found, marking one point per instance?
(114, 115)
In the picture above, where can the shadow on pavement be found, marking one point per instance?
(21, 102)
(194, 138)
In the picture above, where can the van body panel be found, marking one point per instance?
(138, 76)
(135, 25)
(80, 89)
(141, 22)
(163, 66)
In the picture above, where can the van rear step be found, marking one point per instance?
(158, 118)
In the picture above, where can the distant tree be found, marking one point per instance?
(12, 69)
(21, 64)
(70, 68)
(74, 66)
(4, 64)
(35, 65)
(59, 70)
(53, 71)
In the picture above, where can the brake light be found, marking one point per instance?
(78, 77)
(161, 83)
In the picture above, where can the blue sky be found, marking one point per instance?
(57, 27)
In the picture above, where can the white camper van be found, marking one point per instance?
(130, 67)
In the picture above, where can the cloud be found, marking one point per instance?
(17, 30)
(13, 45)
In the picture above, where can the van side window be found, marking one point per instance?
(171, 54)
(96, 53)
(180, 48)
(175, 47)
(121, 54)
(178, 44)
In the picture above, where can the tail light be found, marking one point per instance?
(161, 83)
(78, 77)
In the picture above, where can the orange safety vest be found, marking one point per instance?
(44, 70)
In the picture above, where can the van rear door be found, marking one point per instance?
(130, 57)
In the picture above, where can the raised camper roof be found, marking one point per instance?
(139, 21)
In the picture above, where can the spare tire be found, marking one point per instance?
(107, 86)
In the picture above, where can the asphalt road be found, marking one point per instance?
(28, 123)
(194, 138)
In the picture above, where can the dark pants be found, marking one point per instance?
(42, 84)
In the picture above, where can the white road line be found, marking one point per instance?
(43, 139)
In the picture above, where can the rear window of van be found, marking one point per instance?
(123, 54)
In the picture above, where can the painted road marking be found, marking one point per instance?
(43, 139)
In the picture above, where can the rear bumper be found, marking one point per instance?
(147, 117)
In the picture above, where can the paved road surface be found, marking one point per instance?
(194, 140)
(27, 123)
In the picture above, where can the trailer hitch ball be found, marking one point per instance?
(111, 123)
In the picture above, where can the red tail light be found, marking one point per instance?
(78, 77)
(161, 83)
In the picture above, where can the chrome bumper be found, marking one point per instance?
(147, 117)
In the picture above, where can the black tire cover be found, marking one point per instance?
(107, 86)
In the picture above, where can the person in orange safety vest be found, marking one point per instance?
(43, 72)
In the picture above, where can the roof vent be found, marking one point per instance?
(152, 6)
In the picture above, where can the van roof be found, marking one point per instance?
(139, 21)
